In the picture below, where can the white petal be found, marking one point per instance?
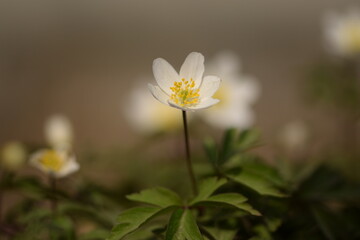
(158, 94)
(193, 67)
(172, 104)
(35, 158)
(206, 103)
(58, 132)
(247, 90)
(165, 75)
(209, 86)
(236, 116)
(71, 166)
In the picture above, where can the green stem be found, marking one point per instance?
(53, 200)
(188, 157)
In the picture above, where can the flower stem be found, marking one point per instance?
(188, 157)
(53, 200)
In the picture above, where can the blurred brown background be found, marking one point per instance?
(80, 58)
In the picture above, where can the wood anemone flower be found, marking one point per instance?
(342, 32)
(187, 90)
(53, 162)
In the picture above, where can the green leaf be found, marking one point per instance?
(248, 138)
(227, 148)
(256, 183)
(64, 226)
(159, 196)
(211, 151)
(208, 187)
(230, 199)
(132, 219)
(190, 229)
(182, 225)
(273, 223)
(174, 224)
(221, 234)
(264, 171)
(262, 233)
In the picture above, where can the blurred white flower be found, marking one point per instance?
(237, 94)
(294, 136)
(186, 90)
(13, 156)
(342, 32)
(59, 132)
(149, 116)
(58, 163)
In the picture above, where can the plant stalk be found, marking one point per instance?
(53, 200)
(188, 157)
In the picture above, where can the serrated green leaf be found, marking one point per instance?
(256, 183)
(207, 187)
(159, 196)
(132, 219)
(182, 225)
(230, 199)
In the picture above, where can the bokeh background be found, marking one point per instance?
(81, 58)
(84, 60)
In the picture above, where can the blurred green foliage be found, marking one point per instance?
(241, 196)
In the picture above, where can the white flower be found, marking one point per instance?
(56, 162)
(150, 116)
(59, 132)
(342, 32)
(186, 90)
(294, 136)
(237, 93)
(13, 155)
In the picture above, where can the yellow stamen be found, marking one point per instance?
(52, 161)
(184, 94)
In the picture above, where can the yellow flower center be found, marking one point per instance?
(184, 93)
(52, 161)
(353, 36)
